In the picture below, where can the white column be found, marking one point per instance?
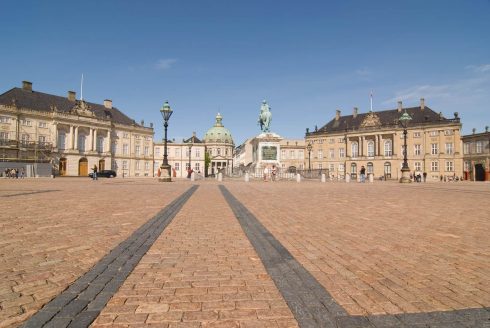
(362, 146)
(70, 136)
(94, 147)
(108, 142)
(75, 141)
(55, 141)
(90, 140)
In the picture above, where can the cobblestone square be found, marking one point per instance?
(380, 250)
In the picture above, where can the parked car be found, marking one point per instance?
(104, 174)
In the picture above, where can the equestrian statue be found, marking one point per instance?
(265, 117)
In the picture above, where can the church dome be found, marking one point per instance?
(218, 133)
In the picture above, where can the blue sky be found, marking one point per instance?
(307, 58)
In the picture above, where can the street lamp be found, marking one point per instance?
(189, 169)
(166, 112)
(309, 148)
(404, 120)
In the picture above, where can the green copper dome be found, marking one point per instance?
(218, 133)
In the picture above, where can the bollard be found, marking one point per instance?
(298, 177)
(371, 178)
(347, 178)
(324, 179)
(247, 177)
(220, 177)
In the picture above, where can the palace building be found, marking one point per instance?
(375, 140)
(476, 156)
(219, 146)
(71, 136)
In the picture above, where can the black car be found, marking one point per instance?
(104, 174)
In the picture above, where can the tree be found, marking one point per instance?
(207, 161)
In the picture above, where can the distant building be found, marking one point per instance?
(375, 140)
(219, 146)
(476, 156)
(292, 155)
(71, 135)
(180, 154)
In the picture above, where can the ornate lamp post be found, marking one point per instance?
(166, 176)
(404, 120)
(309, 148)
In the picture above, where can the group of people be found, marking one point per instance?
(14, 173)
(273, 173)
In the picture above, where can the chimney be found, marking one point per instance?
(72, 95)
(26, 85)
(151, 125)
(194, 134)
(355, 112)
(400, 107)
(337, 115)
(108, 104)
(422, 103)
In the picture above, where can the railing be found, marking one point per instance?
(281, 174)
(26, 144)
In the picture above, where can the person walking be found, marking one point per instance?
(94, 176)
(363, 174)
(273, 173)
(266, 173)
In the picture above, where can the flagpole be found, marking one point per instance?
(81, 89)
(371, 100)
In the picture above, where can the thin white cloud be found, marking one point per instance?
(363, 72)
(464, 88)
(164, 64)
(479, 68)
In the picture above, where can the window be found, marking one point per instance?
(4, 135)
(300, 154)
(353, 168)
(417, 149)
(467, 165)
(137, 150)
(24, 139)
(331, 153)
(157, 151)
(341, 167)
(4, 119)
(147, 166)
(387, 168)
(137, 137)
(100, 144)
(370, 148)
(41, 140)
(283, 154)
(114, 148)
(320, 166)
(433, 133)
(177, 152)
(416, 134)
(370, 168)
(61, 141)
(341, 140)
(177, 166)
(25, 122)
(434, 150)
(125, 149)
(197, 167)
(320, 154)
(138, 165)
(479, 147)
(148, 138)
(331, 167)
(466, 147)
(355, 149)
(43, 125)
(449, 166)
(388, 149)
(291, 154)
(341, 152)
(125, 165)
(146, 150)
(81, 142)
(448, 132)
(449, 148)
(434, 166)
(331, 140)
(125, 135)
(198, 153)
(219, 151)
(417, 166)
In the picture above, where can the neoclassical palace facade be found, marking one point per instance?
(375, 140)
(73, 135)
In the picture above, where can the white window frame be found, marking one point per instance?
(434, 148)
(388, 148)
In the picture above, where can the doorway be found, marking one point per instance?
(101, 165)
(83, 167)
(62, 166)
(479, 172)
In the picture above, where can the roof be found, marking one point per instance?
(387, 118)
(218, 133)
(192, 139)
(44, 102)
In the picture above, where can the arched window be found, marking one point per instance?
(62, 140)
(355, 149)
(388, 148)
(353, 168)
(370, 168)
(387, 170)
(370, 149)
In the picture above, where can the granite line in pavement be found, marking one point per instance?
(310, 303)
(80, 304)
(313, 306)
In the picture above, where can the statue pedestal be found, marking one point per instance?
(165, 175)
(266, 150)
(405, 176)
